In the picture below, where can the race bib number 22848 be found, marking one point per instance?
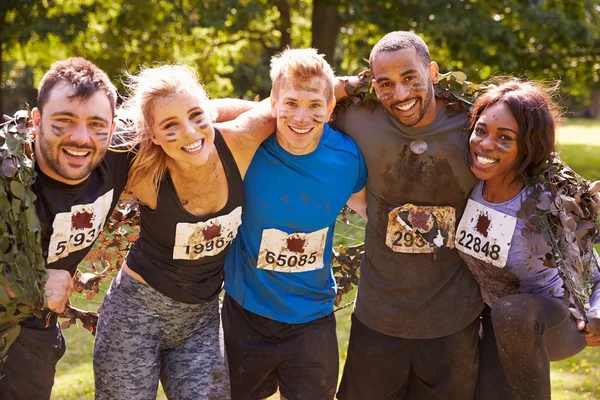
(485, 234)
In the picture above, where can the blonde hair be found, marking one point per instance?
(297, 65)
(145, 89)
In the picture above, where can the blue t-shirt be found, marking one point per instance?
(279, 265)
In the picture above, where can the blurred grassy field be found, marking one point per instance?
(575, 378)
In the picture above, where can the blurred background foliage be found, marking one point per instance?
(230, 42)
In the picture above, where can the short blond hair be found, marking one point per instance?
(145, 90)
(297, 65)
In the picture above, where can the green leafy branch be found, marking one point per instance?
(22, 267)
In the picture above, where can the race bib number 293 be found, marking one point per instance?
(485, 234)
(420, 229)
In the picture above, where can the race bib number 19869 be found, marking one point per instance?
(207, 238)
(420, 229)
(485, 233)
(293, 252)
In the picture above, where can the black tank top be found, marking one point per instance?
(180, 254)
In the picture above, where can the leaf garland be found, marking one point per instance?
(22, 267)
(453, 86)
(561, 217)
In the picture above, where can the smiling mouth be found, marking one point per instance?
(300, 131)
(76, 153)
(485, 160)
(194, 147)
(406, 106)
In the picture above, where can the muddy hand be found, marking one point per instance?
(58, 289)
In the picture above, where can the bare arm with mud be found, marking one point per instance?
(245, 134)
(358, 202)
(230, 109)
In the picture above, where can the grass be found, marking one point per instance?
(575, 378)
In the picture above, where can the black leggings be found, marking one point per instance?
(521, 335)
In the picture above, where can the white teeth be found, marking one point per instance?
(407, 106)
(483, 160)
(77, 153)
(300, 130)
(191, 148)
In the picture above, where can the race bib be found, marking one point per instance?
(485, 234)
(293, 252)
(420, 229)
(77, 229)
(208, 238)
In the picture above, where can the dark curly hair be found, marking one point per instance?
(86, 77)
(534, 110)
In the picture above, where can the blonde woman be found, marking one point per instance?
(160, 317)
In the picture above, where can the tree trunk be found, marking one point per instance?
(285, 24)
(326, 24)
(595, 102)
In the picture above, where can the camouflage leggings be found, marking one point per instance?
(143, 336)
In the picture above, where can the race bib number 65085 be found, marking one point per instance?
(291, 252)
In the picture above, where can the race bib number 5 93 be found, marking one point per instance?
(420, 229)
(485, 234)
(77, 229)
(293, 252)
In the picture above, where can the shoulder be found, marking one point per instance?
(340, 142)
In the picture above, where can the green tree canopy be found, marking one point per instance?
(231, 42)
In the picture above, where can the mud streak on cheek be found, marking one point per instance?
(57, 130)
(319, 117)
(283, 112)
(418, 87)
(102, 136)
(386, 95)
(504, 148)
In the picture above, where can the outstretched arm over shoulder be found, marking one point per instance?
(245, 133)
(230, 109)
(358, 202)
(340, 83)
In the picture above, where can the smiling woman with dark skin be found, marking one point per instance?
(527, 322)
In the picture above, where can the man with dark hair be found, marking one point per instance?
(78, 184)
(415, 326)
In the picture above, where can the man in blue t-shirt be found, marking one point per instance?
(278, 310)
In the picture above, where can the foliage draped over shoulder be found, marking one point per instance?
(562, 221)
(22, 267)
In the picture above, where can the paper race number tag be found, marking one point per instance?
(485, 233)
(294, 252)
(208, 238)
(77, 229)
(420, 229)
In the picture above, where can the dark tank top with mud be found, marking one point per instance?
(180, 254)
